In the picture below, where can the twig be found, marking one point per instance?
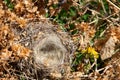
(93, 64)
(106, 68)
(94, 21)
(95, 12)
(111, 15)
(103, 6)
(113, 4)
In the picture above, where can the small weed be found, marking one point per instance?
(87, 57)
(99, 32)
(9, 4)
(85, 17)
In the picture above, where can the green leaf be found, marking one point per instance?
(11, 6)
(72, 11)
(72, 26)
(106, 5)
(99, 31)
(85, 17)
(63, 28)
(78, 58)
(55, 6)
(7, 1)
(74, 32)
(47, 14)
(92, 60)
(63, 14)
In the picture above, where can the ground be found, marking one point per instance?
(94, 28)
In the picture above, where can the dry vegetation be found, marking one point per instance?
(94, 26)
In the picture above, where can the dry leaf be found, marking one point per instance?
(20, 50)
(109, 48)
(56, 75)
(6, 36)
(5, 54)
(19, 7)
(2, 12)
(87, 32)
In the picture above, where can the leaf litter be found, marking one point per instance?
(15, 60)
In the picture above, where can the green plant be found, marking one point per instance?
(99, 32)
(9, 4)
(86, 57)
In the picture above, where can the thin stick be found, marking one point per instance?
(113, 4)
(103, 7)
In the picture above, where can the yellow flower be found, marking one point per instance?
(84, 51)
(93, 52)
